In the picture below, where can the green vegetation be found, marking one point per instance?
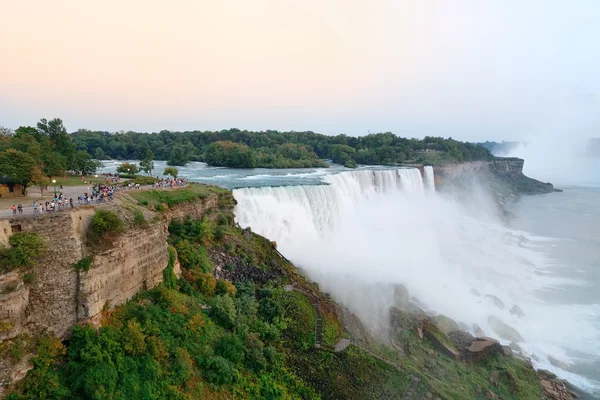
(147, 164)
(169, 278)
(23, 251)
(105, 223)
(33, 155)
(128, 168)
(138, 219)
(172, 171)
(274, 149)
(207, 338)
(144, 180)
(84, 264)
(171, 198)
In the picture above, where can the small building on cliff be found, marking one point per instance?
(8, 188)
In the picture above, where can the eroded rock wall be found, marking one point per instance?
(135, 261)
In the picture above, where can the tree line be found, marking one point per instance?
(33, 155)
(274, 149)
(52, 150)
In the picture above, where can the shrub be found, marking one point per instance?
(84, 264)
(104, 223)
(205, 282)
(223, 311)
(25, 248)
(225, 287)
(144, 202)
(138, 219)
(219, 371)
(134, 340)
(193, 257)
(159, 207)
(230, 347)
(169, 278)
(144, 180)
(29, 277)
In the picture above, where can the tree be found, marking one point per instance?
(40, 180)
(127, 168)
(171, 171)
(57, 133)
(147, 164)
(6, 132)
(53, 163)
(99, 154)
(84, 163)
(229, 154)
(178, 156)
(17, 167)
(28, 130)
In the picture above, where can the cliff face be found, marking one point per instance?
(502, 176)
(60, 296)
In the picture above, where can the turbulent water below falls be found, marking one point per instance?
(367, 230)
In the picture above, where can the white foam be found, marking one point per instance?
(368, 229)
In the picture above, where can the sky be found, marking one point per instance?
(469, 69)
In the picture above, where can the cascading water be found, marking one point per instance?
(362, 231)
(429, 178)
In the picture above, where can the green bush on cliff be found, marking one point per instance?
(23, 251)
(105, 223)
(169, 278)
(84, 264)
(199, 338)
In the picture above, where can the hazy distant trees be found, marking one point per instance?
(277, 149)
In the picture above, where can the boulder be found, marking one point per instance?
(495, 300)
(446, 324)
(461, 340)
(507, 351)
(504, 330)
(515, 347)
(516, 311)
(474, 292)
(482, 347)
(545, 374)
(439, 340)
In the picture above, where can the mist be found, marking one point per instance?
(557, 150)
(367, 231)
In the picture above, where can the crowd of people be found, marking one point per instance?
(95, 194)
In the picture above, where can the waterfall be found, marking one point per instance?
(286, 212)
(429, 178)
(363, 231)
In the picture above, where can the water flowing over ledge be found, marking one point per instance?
(368, 229)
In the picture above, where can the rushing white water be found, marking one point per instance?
(367, 230)
(429, 178)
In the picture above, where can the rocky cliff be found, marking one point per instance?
(56, 296)
(503, 177)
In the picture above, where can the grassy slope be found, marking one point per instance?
(199, 340)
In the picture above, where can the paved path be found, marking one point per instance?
(69, 192)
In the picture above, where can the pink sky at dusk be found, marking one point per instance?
(467, 69)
